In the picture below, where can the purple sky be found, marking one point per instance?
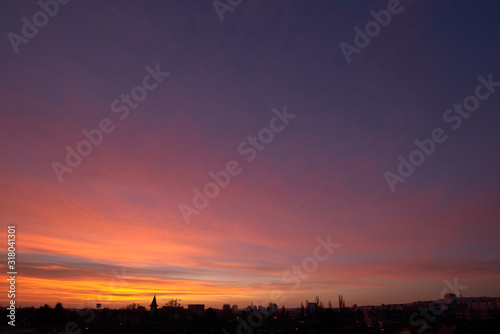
(322, 174)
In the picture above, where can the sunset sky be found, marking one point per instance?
(111, 230)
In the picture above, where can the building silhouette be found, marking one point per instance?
(154, 305)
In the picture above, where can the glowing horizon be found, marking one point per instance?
(113, 228)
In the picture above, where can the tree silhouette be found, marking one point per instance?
(132, 306)
(341, 303)
(174, 303)
(59, 311)
(319, 304)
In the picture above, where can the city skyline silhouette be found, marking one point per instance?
(233, 152)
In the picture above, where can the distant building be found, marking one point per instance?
(154, 305)
(273, 307)
(226, 307)
(312, 307)
(449, 298)
(98, 306)
(235, 308)
(438, 306)
(196, 307)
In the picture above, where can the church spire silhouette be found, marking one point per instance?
(154, 305)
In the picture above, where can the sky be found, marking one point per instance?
(307, 120)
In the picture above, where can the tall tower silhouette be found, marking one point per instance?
(154, 305)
